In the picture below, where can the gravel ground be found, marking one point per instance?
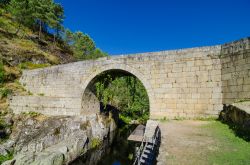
(184, 143)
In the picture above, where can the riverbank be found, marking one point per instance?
(201, 142)
(39, 139)
(115, 149)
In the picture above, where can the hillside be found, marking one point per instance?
(25, 46)
(32, 36)
(25, 51)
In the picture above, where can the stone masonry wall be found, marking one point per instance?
(46, 105)
(179, 83)
(235, 62)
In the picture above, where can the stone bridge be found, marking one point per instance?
(193, 82)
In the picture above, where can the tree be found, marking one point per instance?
(21, 10)
(68, 37)
(59, 14)
(43, 13)
(97, 53)
(126, 93)
(83, 45)
(4, 3)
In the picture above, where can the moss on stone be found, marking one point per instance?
(95, 142)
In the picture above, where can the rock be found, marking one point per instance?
(8, 131)
(9, 162)
(3, 151)
(8, 119)
(56, 140)
(30, 122)
(9, 144)
(49, 159)
(24, 159)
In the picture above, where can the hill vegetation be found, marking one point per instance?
(32, 36)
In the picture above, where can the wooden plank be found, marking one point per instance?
(137, 134)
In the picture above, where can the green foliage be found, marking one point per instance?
(2, 73)
(21, 11)
(242, 100)
(4, 92)
(31, 113)
(164, 119)
(179, 118)
(3, 158)
(95, 142)
(30, 65)
(46, 17)
(130, 156)
(30, 93)
(42, 13)
(127, 94)
(231, 149)
(125, 119)
(82, 45)
(206, 118)
(4, 3)
(59, 16)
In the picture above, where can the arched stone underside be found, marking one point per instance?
(122, 68)
(193, 82)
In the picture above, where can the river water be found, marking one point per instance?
(115, 150)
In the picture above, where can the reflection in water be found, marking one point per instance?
(115, 150)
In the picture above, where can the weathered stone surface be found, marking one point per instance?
(55, 140)
(206, 77)
(235, 71)
(3, 151)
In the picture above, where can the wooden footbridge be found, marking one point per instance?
(149, 137)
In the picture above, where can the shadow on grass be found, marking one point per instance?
(237, 120)
(239, 130)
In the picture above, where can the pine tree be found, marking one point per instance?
(43, 14)
(21, 10)
(59, 14)
(83, 45)
(68, 37)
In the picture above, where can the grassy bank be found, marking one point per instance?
(229, 149)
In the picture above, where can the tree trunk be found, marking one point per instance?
(40, 29)
(54, 40)
(18, 29)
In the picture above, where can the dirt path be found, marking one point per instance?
(185, 143)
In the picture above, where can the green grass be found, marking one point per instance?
(4, 92)
(6, 157)
(231, 150)
(30, 65)
(31, 113)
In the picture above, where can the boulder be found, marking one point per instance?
(55, 140)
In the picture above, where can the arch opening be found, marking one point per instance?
(119, 90)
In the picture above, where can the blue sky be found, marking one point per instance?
(132, 26)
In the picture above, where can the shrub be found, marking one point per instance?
(95, 142)
(4, 92)
(2, 73)
(31, 113)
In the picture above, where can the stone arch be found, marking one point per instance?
(122, 67)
